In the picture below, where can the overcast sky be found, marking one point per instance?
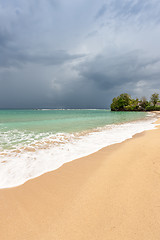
(77, 53)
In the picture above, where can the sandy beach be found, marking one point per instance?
(113, 194)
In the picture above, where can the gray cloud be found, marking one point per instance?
(77, 54)
(116, 72)
(101, 11)
(107, 72)
(16, 58)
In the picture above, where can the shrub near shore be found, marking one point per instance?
(124, 102)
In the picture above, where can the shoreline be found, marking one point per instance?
(76, 148)
(112, 194)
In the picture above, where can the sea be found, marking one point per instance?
(33, 142)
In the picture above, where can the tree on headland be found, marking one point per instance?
(154, 98)
(124, 102)
(119, 102)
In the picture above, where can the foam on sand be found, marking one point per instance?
(24, 163)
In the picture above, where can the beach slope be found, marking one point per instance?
(113, 194)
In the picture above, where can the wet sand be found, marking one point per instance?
(113, 194)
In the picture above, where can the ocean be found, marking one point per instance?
(33, 142)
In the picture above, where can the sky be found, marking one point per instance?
(77, 53)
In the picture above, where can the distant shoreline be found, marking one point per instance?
(54, 108)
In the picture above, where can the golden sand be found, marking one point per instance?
(113, 194)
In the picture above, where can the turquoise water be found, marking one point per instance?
(33, 142)
(23, 126)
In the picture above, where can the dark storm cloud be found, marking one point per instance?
(102, 78)
(77, 54)
(109, 73)
(25, 19)
(15, 58)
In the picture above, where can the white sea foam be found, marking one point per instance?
(51, 152)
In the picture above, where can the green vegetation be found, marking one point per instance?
(154, 98)
(124, 102)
